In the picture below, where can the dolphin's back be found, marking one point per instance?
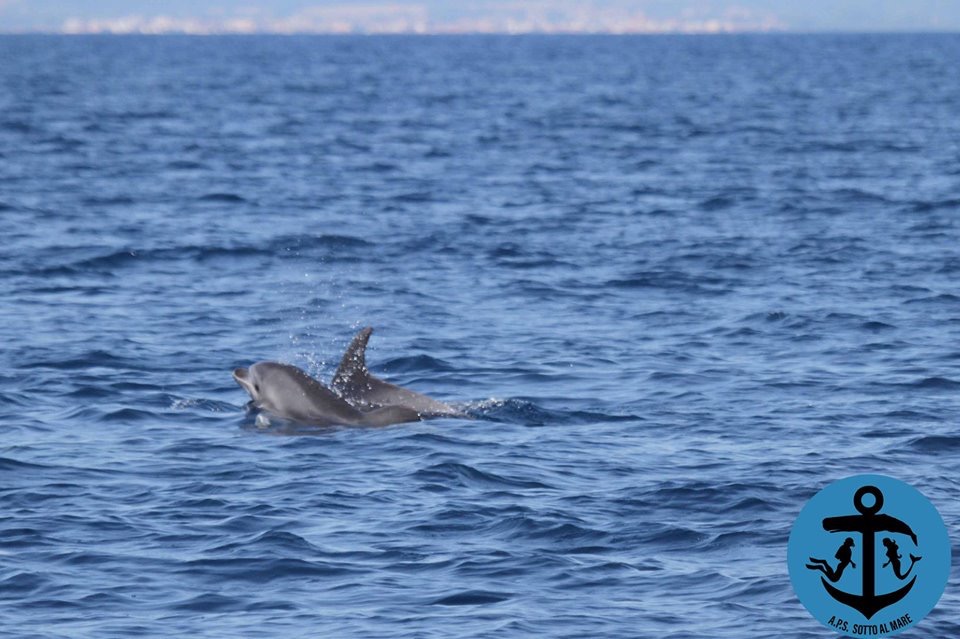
(383, 393)
(389, 415)
(357, 385)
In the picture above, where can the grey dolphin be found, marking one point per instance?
(355, 384)
(288, 392)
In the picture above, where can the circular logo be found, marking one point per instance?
(869, 556)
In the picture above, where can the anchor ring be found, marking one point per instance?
(858, 500)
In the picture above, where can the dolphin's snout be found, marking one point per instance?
(242, 377)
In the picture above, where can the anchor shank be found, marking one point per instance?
(868, 557)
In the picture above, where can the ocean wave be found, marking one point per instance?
(472, 598)
(466, 475)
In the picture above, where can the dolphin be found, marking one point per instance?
(290, 393)
(354, 383)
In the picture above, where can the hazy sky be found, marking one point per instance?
(437, 16)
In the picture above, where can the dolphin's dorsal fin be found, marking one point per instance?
(353, 367)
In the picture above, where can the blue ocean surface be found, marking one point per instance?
(679, 284)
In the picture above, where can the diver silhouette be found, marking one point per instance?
(845, 557)
(893, 557)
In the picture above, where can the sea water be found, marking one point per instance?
(678, 283)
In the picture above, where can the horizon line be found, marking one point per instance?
(435, 33)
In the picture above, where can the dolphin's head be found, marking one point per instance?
(271, 384)
(282, 389)
(248, 380)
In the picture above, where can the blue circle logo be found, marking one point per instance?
(869, 556)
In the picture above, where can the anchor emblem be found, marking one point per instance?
(868, 523)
